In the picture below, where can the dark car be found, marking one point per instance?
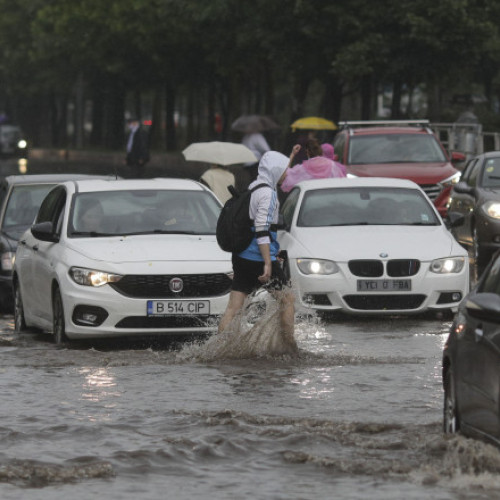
(474, 208)
(20, 198)
(471, 361)
(402, 149)
(12, 141)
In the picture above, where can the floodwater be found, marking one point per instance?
(354, 414)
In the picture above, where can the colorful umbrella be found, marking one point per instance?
(313, 123)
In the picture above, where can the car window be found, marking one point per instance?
(491, 283)
(289, 206)
(139, 211)
(366, 206)
(51, 205)
(394, 148)
(491, 173)
(472, 173)
(22, 207)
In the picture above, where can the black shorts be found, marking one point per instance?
(247, 272)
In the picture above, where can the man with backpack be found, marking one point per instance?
(258, 264)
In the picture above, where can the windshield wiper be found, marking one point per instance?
(158, 231)
(349, 224)
(92, 234)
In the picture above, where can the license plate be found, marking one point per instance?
(384, 285)
(178, 307)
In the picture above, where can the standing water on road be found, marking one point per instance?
(354, 414)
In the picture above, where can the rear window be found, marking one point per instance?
(395, 148)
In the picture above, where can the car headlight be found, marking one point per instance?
(8, 259)
(22, 144)
(492, 208)
(317, 266)
(448, 265)
(91, 277)
(451, 181)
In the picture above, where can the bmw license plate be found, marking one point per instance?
(384, 285)
(178, 307)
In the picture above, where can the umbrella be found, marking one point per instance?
(253, 123)
(313, 123)
(219, 153)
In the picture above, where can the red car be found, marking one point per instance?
(401, 149)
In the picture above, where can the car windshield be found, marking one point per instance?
(394, 148)
(366, 206)
(491, 173)
(114, 213)
(22, 207)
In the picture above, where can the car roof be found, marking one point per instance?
(50, 178)
(85, 186)
(490, 154)
(389, 130)
(358, 182)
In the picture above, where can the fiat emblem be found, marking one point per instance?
(384, 255)
(176, 285)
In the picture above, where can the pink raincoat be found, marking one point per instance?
(318, 167)
(328, 151)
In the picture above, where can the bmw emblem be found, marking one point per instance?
(384, 255)
(176, 285)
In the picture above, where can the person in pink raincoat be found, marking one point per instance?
(328, 152)
(316, 166)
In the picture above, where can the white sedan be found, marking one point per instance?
(121, 258)
(370, 246)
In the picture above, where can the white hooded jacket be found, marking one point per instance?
(264, 204)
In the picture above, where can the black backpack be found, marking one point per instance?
(234, 226)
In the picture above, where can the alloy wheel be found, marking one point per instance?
(450, 412)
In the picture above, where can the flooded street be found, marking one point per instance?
(357, 414)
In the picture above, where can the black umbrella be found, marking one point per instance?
(248, 124)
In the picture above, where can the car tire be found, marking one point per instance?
(58, 323)
(451, 420)
(19, 321)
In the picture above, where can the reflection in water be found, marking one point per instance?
(97, 388)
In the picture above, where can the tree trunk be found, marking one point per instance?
(171, 134)
(396, 100)
(79, 111)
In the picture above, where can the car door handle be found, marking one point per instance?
(35, 248)
(478, 334)
(23, 242)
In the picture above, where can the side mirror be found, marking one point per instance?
(457, 157)
(463, 188)
(455, 219)
(484, 306)
(44, 231)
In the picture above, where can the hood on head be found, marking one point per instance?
(272, 165)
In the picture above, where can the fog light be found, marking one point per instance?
(449, 297)
(89, 315)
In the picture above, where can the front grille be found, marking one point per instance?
(366, 268)
(145, 322)
(432, 190)
(403, 267)
(156, 286)
(384, 302)
(317, 299)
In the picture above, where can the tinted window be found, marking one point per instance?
(289, 206)
(51, 205)
(366, 206)
(492, 282)
(395, 148)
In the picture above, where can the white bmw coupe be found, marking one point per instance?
(121, 258)
(370, 246)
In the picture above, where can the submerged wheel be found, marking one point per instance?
(58, 325)
(451, 421)
(19, 321)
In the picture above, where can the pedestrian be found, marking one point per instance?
(259, 263)
(218, 178)
(316, 166)
(137, 147)
(257, 143)
(329, 152)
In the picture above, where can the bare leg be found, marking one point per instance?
(287, 313)
(236, 301)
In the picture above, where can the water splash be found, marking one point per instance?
(254, 333)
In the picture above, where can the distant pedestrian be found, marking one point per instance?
(259, 264)
(316, 166)
(258, 145)
(137, 147)
(218, 179)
